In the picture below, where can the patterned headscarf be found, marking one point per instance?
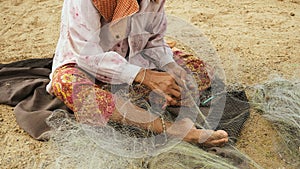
(113, 10)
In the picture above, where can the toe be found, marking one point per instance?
(219, 134)
(219, 143)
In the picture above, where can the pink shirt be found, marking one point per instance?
(100, 48)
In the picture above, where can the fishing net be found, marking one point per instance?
(75, 145)
(72, 147)
(279, 102)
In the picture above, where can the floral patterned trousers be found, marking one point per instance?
(91, 100)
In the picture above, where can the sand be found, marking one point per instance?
(254, 40)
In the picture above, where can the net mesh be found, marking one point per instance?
(279, 102)
(76, 145)
(73, 147)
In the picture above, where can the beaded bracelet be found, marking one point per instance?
(163, 124)
(164, 132)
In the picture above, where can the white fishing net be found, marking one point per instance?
(72, 147)
(75, 145)
(279, 102)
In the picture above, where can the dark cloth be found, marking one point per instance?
(22, 84)
(228, 110)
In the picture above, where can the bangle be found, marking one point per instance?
(163, 124)
(164, 132)
(143, 78)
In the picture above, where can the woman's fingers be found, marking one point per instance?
(220, 142)
(179, 75)
(165, 85)
(167, 94)
(177, 72)
(175, 93)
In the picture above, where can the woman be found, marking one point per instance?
(120, 42)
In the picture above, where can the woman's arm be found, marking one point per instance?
(157, 49)
(82, 28)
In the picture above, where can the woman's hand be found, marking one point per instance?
(162, 83)
(180, 75)
(177, 72)
(184, 80)
(170, 84)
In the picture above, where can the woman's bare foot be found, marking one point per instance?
(206, 138)
(210, 138)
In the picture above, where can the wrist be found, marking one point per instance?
(140, 77)
(144, 77)
(160, 125)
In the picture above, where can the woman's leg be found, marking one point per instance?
(90, 103)
(93, 105)
(194, 65)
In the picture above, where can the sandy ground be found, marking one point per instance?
(254, 39)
